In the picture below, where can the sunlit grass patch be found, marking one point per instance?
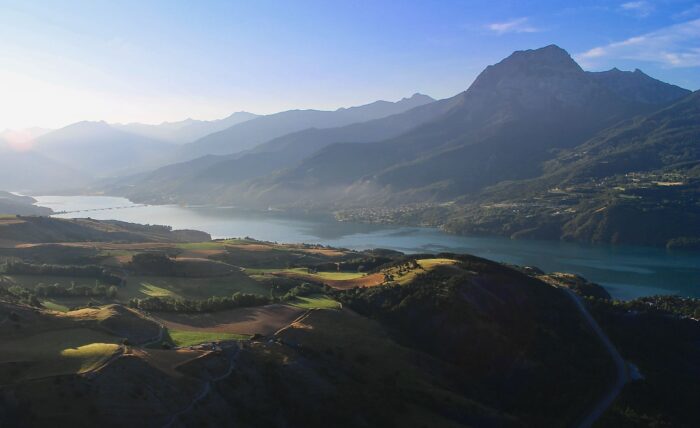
(90, 356)
(190, 288)
(155, 291)
(339, 276)
(431, 263)
(407, 272)
(317, 301)
(53, 306)
(191, 338)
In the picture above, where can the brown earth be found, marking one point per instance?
(264, 320)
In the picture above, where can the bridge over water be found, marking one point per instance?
(87, 210)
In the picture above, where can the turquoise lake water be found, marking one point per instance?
(625, 271)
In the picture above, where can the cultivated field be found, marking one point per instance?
(264, 320)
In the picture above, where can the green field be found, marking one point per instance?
(211, 245)
(190, 338)
(54, 306)
(317, 301)
(190, 288)
(141, 287)
(155, 291)
(339, 276)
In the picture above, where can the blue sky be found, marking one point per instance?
(150, 61)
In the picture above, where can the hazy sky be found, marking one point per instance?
(150, 61)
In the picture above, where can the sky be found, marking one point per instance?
(153, 61)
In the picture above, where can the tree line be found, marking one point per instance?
(88, 271)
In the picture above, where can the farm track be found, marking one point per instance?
(161, 333)
(206, 389)
(622, 374)
(92, 374)
(300, 318)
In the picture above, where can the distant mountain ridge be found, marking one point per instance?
(27, 170)
(100, 150)
(185, 131)
(637, 86)
(249, 134)
(203, 175)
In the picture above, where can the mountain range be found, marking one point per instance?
(185, 131)
(263, 129)
(527, 124)
(529, 127)
(100, 150)
(81, 154)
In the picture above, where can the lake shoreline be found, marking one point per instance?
(625, 271)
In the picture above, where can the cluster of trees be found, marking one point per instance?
(212, 304)
(88, 271)
(55, 290)
(31, 296)
(153, 264)
(304, 289)
(23, 295)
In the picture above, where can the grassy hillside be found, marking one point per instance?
(373, 338)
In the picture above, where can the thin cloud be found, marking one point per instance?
(674, 47)
(640, 9)
(691, 12)
(517, 25)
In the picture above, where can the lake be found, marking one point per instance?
(625, 271)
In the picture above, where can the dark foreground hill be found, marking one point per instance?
(241, 332)
(474, 343)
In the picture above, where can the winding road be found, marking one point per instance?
(622, 376)
(206, 389)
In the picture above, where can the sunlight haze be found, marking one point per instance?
(152, 62)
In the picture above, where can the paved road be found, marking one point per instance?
(621, 376)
